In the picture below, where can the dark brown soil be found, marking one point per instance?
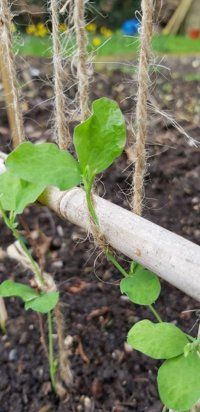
(107, 375)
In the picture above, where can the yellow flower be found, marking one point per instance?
(106, 32)
(40, 26)
(31, 29)
(63, 27)
(41, 30)
(91, 27)
(96, 41)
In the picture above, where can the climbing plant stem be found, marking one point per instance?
(95, 220)
(155, 313)
(11, 224)
(112, 259)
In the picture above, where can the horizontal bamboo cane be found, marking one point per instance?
(170, 256)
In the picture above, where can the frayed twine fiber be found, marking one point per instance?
(9, 77)
(64, 364)
(83, 61)
(141, 108)
(62, 130)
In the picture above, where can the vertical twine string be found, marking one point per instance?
(83, 90)
(62, 129)
(9, 76)
(141, 108)
(64, 364)
(83, 63)
(63, 138)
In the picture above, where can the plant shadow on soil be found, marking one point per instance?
(107, 375)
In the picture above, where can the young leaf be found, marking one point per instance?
(142, 288)
(101, 138)
(9, 288)
(16, 193)
(43, 303)
(179, 383)
(158, 340)
(44, 163)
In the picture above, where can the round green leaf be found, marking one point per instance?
(44, 163)
(101, 138)
(9, 288)
(43, 303)
(158, 340)
(179, 382)
(16, 193)
(143, 287)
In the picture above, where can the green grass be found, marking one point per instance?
(118, 45)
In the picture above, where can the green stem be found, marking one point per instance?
(10, 224)
(95, 220)
(91, 208)
(50, 353)
(155, 313)
(108, 254)
(3, 328)
(33, 263)
(112, 259)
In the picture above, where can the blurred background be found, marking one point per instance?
(177, 25)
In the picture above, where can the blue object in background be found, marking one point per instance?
(131, 27)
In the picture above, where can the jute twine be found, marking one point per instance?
(9, 76)
(141, 108)
(62, 130)
(64, 363)
(83, 90)
(83, 61)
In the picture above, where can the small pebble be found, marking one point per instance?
(12, 355)
(68, 341)
(128, 348)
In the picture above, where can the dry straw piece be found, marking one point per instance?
(62, 130)
(9, 78)
(83, 61)
(141, 108)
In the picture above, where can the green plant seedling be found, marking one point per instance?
(157, 340)
(142, 287)
(179, 383)
(44, 163)
(16, 193)
(100, 139)
(39, 302)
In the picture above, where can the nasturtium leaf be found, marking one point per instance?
(43, 303)
(44, 163)
(101, 138)
(157, 340)
(16, 193)
(142, 288)
(179, 382)
(9, 288)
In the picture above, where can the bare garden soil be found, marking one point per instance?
(108, 376)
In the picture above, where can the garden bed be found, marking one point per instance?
(107, 375)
